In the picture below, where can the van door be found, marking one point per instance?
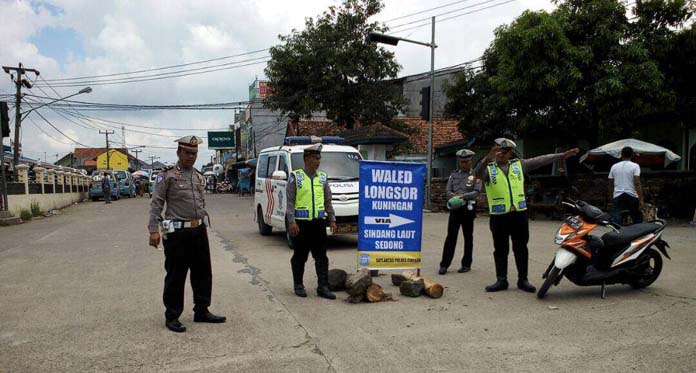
(268, 189)
(260, 195)
(279, 193)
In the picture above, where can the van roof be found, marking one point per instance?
(300, 148)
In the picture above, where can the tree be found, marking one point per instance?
(330, 67)
(577, 70)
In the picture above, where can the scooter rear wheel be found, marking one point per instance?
(650, 270)
(550, 280)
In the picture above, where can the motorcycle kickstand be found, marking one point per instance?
(604, 291)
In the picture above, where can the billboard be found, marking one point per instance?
(264, 89)
(221, 140)
(390, 215)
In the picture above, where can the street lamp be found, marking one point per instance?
(83, 90)
(375, 37)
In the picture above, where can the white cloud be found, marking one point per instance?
(123, 36)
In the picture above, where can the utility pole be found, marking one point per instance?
(19, 82)
(123, 135)
(108, 159)
(136, 151)
(152, 160)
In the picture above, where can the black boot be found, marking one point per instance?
(175, 326)
(500, 284)
(464, 269)
(442, 270)
(524, 285)
(324, 292)
(206, 316)
(300, 291)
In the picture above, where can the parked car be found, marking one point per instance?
(126, 184)
(95, 189)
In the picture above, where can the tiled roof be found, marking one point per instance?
(374, 134)
(91, 153)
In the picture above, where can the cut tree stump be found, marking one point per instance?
(337, 279)
(375, 293)
(432, 288)
(357, 283)
(412, 288)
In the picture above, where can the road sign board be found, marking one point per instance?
(390, 214)
(221, 140)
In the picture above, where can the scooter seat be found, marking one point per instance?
(627, 234)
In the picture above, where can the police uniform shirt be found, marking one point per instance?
(461, 182)
(183, 192)
(530, 164)
(291, 192)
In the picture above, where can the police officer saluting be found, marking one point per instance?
(185, 237)
(462, 190)
(308, 210)
(503, 177)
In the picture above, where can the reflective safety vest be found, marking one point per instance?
(309, 199)
(505, 191)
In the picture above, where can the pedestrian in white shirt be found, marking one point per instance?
(627, 192)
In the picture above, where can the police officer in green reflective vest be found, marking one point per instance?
(309, 209)
(503, 177)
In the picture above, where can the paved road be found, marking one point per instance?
(82, 292)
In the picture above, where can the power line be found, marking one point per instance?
(425, 11)
(442, 14)
(59, 131)
(162, 75)
(159, 68)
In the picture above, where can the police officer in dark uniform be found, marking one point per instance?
(185, 237)
(308, 210)
(462, 190)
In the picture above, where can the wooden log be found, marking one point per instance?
(431, 288)
(397, 279)
(337, 279)
(412, 288)
(375, 293)
(356, 298)
(357, 283)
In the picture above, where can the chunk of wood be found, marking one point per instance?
(357, 283)
(397, 279)
(412, 288)
(337, 279)
(356, 298)
(375, 293)
(431, 287)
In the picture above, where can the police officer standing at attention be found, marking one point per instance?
(185, 237)
(503, 177)
(462, 190)
(308, 209)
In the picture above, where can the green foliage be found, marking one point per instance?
(330, 67)
(36, 209)
(582, 70)
(26, 215)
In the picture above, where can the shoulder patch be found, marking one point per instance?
(159, 179)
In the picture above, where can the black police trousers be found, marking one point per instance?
(312, 238)
(463, 218)
(513, 225)
(184, 250)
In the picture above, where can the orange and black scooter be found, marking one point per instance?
(625, 255)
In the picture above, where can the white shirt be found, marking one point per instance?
(623, 174)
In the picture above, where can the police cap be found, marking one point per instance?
(313, 150)
(465, 154)
(189, 142)
(505, 143)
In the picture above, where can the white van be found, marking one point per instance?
(275, 164)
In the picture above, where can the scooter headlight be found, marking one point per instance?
(560, 238)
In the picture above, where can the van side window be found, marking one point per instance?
(271, 165)
(283, 164)
(262, 166)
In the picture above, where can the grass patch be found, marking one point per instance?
(36, 209)
(25, 215)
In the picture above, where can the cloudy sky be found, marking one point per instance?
(76, 38)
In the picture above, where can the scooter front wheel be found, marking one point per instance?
(550, 280)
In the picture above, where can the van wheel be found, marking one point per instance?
(264, 229)
(287, 235)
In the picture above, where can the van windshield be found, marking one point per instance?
(338, 165)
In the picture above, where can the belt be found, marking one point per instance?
(188, 224)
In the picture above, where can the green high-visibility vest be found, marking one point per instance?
(504, 191)
(309, 199)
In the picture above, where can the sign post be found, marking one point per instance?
(221, 140)
(390, 215)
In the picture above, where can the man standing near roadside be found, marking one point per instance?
(106, 188)
(186, 247)
(503, 177)
(462, 190)
(308, 210)
(627, 192)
